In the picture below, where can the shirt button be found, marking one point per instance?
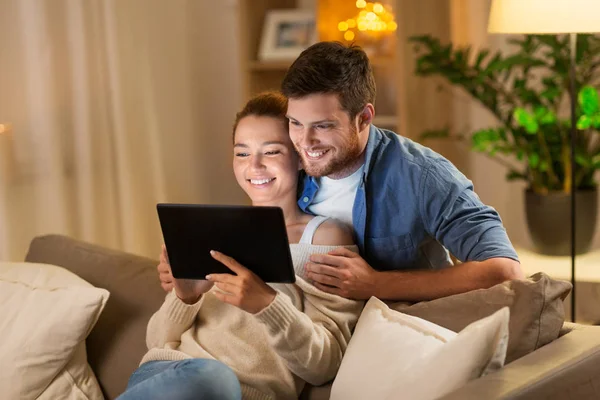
(305, 199)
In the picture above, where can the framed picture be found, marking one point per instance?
(286, 33)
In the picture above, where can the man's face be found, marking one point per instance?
(324, 135)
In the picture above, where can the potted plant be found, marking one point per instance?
(527, 92)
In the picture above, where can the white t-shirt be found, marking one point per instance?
(335, 197)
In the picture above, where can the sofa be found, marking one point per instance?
(566, 368)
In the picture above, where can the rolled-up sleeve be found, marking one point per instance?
(454, 215)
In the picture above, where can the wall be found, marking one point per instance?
(116, 105)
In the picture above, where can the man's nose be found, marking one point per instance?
(308, 138)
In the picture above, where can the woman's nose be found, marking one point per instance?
(257, 162)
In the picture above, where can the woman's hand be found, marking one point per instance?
(244, 290)
(164, 271)
(188, 290)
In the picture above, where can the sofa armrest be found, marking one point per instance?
(568, 368)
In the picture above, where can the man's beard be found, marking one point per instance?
(340, 163)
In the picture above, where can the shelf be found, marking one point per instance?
(283, 65)
(385, 121)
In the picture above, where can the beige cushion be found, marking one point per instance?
(393, 355)
(118, 341)
(536, 310)
(47, 313)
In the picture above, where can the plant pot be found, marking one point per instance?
(549, 221)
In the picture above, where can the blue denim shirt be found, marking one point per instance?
(412, 204)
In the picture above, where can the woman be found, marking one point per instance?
(208, 335)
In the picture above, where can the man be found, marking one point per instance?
(406, 203)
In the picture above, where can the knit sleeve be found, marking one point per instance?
(172, 319)
(312, 342)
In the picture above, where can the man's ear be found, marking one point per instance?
(365, 118)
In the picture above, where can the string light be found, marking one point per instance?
(373, 19)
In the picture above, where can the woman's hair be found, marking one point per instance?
(266, 104)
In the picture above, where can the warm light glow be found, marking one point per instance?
(544, 16)
(4, 128)
(373, 21)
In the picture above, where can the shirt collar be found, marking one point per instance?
(375, 138)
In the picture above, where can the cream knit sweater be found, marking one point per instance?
(300, 337)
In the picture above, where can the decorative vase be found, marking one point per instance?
(549, 221)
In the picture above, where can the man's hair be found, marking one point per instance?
(266, 104)
(332, 67)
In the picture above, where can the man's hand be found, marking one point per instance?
(188, 290)
(244, 290)
(344, 273)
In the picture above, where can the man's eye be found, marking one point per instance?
(241, 154)
(323, 126)
(295, 123)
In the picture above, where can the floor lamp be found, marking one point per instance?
(552, 17)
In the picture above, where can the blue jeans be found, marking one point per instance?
(193, 379)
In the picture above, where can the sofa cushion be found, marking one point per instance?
(47, 313)
(536, 310)
(393, 355)
(118, 341)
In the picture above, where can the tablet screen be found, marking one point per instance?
(254, 236)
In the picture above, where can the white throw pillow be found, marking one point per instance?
(397, 356)
(46, 314)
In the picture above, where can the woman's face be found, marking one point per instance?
(264, 160)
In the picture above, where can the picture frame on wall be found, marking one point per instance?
(286, 33)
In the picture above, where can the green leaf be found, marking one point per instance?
(544, 116)
(588, 100)
(534, 160)
(544, 166)
(514, 175)
(583, 160)
(526, 120)
(487, 140)
(584, 122)
(551, 93)
(596, 121)
(520, 154)
(480, 57)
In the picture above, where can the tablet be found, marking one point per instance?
(254, 236)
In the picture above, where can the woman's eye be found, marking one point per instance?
(295, 123)
(241, 154)
(272, 152)
(323, 126)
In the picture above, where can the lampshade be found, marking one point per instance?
(544, 16)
